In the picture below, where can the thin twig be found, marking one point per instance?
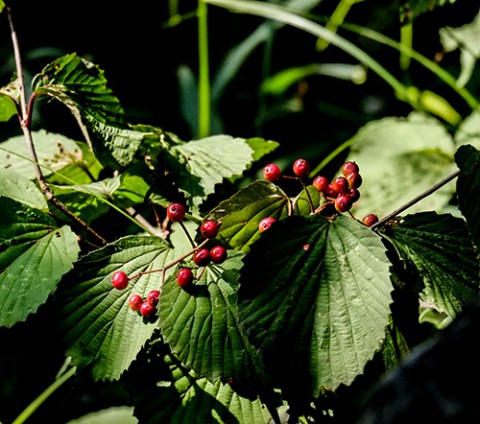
(169, 265)
(416, 199)
(25, 125)
(142, 220)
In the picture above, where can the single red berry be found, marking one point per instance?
(119, 280)
(340, 184)
(218, 254)
(320, 182)
(152, 296)
(354, 194)
(135, 302)
(330, 191)
(202, 257)
(209, 229)
(184, 277)
(147, 309)
(272, 172)
(343, 203)
(354, 180)
(176, 212)
(370, 219)
(349, 167)
(301, 168)
(265, 224)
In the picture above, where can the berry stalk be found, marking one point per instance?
(416, 199)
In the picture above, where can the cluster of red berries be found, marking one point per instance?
(146, 306)
(202, 256)
(342, 191)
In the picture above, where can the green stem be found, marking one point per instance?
(280, 14)
(336, 19)
(203, 72)
(30, 409)
(406, 37)
(426, 63)
(416, 199)
(332, 155)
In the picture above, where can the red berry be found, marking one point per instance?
(209, 229)
(301, 168)
(265, 224)
(330, 191)
(152, 296)
(354, 194)
(354, 180)
(176, 212)
(320, 183)
(119, 280)
(340, 184)
(202, 257)
(271, 172)
(135, 302)
(218, 254)
(343, 203)
(147, 309)
(349, 167)
(370, 219)
(184, 277)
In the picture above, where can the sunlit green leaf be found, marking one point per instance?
(96, 322)
(240, 214)
(463, 38)
(7, 108)
(82, 87)
(399, 158)
(314, 298)
(112, 415)
(201, 164)
(34, 255)
(469, 130)
(21, 189)
(55, 152)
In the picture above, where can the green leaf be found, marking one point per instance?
(34, 255)
(112, 415)
(84, 168)
(468, 187)
(7, 108)
(81, 86)
(240, 214)
(261, 147)
(21, 189)
(314, 298)
(85, 200)
(158, 378)
(440, 249)
(277, 84)
(469, 130)
(399, 158)
(201, 164)
(55, 152)
(201, 326)
(96, 321)
(465, 39)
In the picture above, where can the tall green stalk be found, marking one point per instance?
(203, 72)
(30, 409)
